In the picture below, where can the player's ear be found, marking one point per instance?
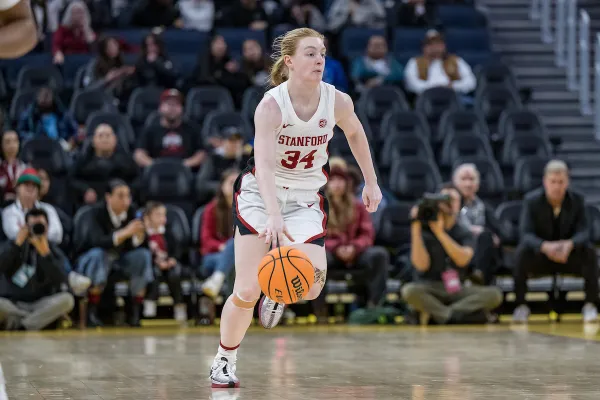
(287, 61)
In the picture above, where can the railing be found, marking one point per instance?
(545, 23)
(584, 63)
(572, 45)
(560, 24)
(597, 88)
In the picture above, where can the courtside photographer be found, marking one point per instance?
(441, 249)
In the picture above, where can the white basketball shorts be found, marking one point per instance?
(304, 212)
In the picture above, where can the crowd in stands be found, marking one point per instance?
(126, 128)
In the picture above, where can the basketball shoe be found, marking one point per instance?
(270, 312)
(222, 374)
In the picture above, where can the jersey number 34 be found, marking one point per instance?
(293, 159)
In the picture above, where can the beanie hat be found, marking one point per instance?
(29, 175)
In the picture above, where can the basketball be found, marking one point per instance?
(286, 275)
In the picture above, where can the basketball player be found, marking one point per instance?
(18, 32)
(278, 199)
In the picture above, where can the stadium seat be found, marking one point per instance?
(21, 100)
(142, 102)
(13, 66)
(476, 59)
(491, 182)
(462, 40)
(495, 74)
(457, 16)
(31, 77)
(202, 100)
(235, 37)
(464, 145)
(184, 63)
(67, 224)
(394, 229)
(376, 101)
(252, 96)
(82, 221)
(516, 147)
(179, 229)
(354, 41)
(195, 235)
(433, 102)
(529, 172)
(593, 216)
(458, 122)
(404, 147)
(205, 186)
(493, 101)
(168, 181)
(120, 124)
(185, 41)
(73, 63)
(404, 123)
(3, 88)
(216, 121)
(408, 41)
(520, 123)
(133, 36)
(86, 102)
(410, 178)
(508, 213)
(45, 153)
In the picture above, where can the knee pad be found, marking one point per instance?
(241, 302)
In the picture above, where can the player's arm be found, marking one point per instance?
(357, 139)
(267, 120)
(18, 35)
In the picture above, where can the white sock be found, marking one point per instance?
(230, 355)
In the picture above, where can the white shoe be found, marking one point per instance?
(590, 313)
(79, 283)
(270, 312)
(222, 374)
(521, 314)
(180, 313)
(212, 286)
(149, 309)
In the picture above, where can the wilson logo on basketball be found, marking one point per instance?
(297, 284)
(322, 123)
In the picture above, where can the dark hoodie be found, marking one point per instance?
(34, 122)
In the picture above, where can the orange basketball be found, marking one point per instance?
(286, 275)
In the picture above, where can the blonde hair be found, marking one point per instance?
(556, 167)
(285, 45)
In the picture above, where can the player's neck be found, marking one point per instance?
(303, 91)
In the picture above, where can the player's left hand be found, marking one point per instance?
(371, 196)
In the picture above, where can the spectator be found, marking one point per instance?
(438, 68)
(305, 13)
(197, 14)
(359, 13)
(481, 221)
(350, 238)
(75, 35)
(154, 68)
(115, 240)
(377, 67)
(161, 245)
(156, 13)
(555, 239)
(334, 73)
(172, 136)
(31, 274)
(230, 151)
(11, 166)
(440, 252)
(47, 117)
(100, 162)
(415, 13)
(255, 63)
(108, 71)
(246, 14)
(216, 236)
(45, 196)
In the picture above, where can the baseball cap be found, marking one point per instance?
(29, 175)
(170, 94)
(432, 36)
(231, 132)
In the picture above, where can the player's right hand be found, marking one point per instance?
(275, 231)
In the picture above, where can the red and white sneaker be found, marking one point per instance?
(222, 374)
(270, 312)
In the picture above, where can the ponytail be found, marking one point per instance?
(278, 72)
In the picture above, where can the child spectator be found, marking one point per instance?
(165, 266)
(11, 167)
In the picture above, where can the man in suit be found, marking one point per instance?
(555, 239)
(114, 240)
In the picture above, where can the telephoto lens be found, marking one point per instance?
(38, 229)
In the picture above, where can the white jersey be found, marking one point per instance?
(302, 158)
(6, 4)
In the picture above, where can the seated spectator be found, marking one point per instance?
(334, 73)
(377, 67)
(230, 151)
(108, 71)
(156, 13)
(197, 14)
(440, 252)
(438, 68)
(482, 222)
(45, 196)
(31, 273)
(304, 13)
(75, 35)
(154, 68)
(165, 265)
(47, 117)
(359, 13)
(216, 236)
(98, 163)
(11, 167)
(415, 13)
(246, 14)
(172, 136)
(115, 241)
(555, 239)
(350, 238)
(255, 63)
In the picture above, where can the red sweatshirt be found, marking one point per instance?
(210, 239)
(69, 41)
(360, 232)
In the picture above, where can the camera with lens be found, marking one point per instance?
(37, 229)
(428, 206)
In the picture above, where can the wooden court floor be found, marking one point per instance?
(542, 361)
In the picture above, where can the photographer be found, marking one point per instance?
(441, 249)
(31, 273)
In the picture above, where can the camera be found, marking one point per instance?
(428, 206)
(37, 229)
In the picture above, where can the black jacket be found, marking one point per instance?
(537, 216)
(49, 272)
